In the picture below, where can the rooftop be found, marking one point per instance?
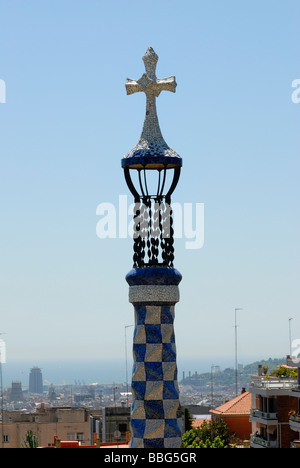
(238, 406)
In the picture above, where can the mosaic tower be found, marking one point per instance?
(153, 281)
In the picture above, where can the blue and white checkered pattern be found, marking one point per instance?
(155, 416)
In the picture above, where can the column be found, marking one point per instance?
(156, 415)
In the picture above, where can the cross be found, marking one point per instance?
(152, 87)
(148, 82)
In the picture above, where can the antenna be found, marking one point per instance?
(290, 332)
(126, 326)
(2, 356)
(236, 358)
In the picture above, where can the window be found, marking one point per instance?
(80, 436)
(123, 428)
(5, 439)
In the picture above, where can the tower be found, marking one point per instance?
(153, 281)
(16, 393)
(35, 380)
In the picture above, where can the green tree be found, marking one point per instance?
(284, 372)
(211, 434)
(31, 440)
(188, 418)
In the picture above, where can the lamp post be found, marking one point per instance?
(126, 326)
(2, 415)
(2, 360)
(153, 281)
(290, 334)
(236, 353)
(212, 369)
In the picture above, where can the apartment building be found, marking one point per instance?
(274, 399)
(294, 414)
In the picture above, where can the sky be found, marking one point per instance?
(65, 126)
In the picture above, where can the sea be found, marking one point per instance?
(103, 372)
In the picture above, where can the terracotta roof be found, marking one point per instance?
(198, 422)
(239, 406)
(286, 366)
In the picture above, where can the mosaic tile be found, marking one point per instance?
(153, 276)
(154, 391)
(151, 148)
(155, 413)
(154, 380)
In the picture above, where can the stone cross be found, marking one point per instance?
(152, 87)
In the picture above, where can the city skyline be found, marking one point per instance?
(65, 125)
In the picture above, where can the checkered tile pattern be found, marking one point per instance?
(155, 410)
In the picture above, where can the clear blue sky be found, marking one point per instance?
(68, 122)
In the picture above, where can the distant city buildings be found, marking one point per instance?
(16, 393)
(35, 380)
(265, 416)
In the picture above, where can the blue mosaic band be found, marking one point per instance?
(156, 415)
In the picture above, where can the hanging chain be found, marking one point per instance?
(153, 233)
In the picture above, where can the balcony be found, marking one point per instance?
(263, 417)
(269, 385)
(259, 442)
(295, 444)
(296, 391)
(294, 420)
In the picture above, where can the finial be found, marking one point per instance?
(151, 148)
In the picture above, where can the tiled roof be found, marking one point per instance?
(239, 406)
(198, 422)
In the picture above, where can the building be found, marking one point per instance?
(67, 424)
(274, 399)
(35, 380)
(236, 414)
(114, 426)
(16, 393)
(57, 443)
(294, 414)
(72, 426)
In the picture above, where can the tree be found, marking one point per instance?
(31, 440)
(188, 418)
(285, 372)
(211, 434)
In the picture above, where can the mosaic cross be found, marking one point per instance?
(152, 87)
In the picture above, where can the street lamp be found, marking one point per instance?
(2, 359)
(290, 333)
(126, 326)
(236, 358)
(212, 368)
